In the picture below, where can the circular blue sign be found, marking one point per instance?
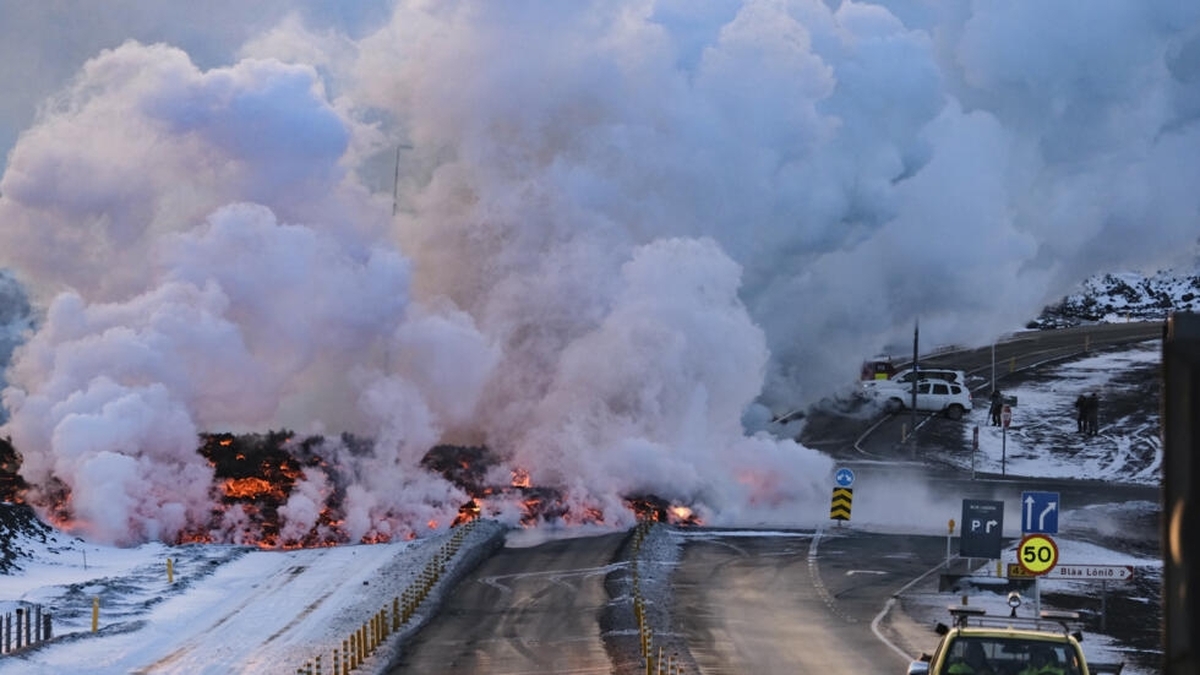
(844, 477)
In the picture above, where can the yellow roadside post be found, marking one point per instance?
(170, 571)
(949, 535)
(95, 613)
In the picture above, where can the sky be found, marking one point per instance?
(316, 596)
(589, 235)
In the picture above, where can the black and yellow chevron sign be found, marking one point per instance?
(839, 508)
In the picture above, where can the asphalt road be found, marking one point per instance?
(844, 438)
(807, 602)
(524, 610)
(799, 604)
(1035, 348)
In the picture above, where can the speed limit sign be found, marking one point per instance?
(1037, 554)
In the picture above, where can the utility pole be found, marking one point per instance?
(993, 366)
(912, 409)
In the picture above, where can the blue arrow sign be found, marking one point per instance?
(1039, 512)
(844, 477)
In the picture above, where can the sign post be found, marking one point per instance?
(974, 449)
(1005, 420)
(1037, 554)
(1078, 572)
(982, 529)
(843, 495)
(949, 535)
(1103, 573)
(1039, 512)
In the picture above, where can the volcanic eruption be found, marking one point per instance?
(589, 264)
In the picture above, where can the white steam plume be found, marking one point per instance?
(620, 224)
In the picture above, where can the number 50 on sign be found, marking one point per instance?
(1037, 554)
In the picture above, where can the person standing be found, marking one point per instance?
(996, 407)
(1081, 412)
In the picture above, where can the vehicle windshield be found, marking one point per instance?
(981, 655)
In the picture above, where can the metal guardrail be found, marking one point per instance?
(653, 658)
(363, 642)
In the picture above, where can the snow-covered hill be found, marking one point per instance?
(1124, 296)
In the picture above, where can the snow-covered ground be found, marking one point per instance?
(227, 609)
(1041, 439)
(235, 609)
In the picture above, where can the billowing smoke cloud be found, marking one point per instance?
(16, 322)
(618, 225)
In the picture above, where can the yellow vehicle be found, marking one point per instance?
(978, 644)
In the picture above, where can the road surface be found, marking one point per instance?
(800, 604)
(524, 610)
(746, 603)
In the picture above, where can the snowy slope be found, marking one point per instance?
(1123, 296)
(229, 609)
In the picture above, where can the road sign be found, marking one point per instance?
(844, 477)
(1015, 571)
(1039, 512)
(1091, 572)
(1037, 553)
(982, 529)
(839, 507)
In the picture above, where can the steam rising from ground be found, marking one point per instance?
(619, 225)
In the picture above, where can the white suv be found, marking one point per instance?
(932, 396)
(905, 377)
